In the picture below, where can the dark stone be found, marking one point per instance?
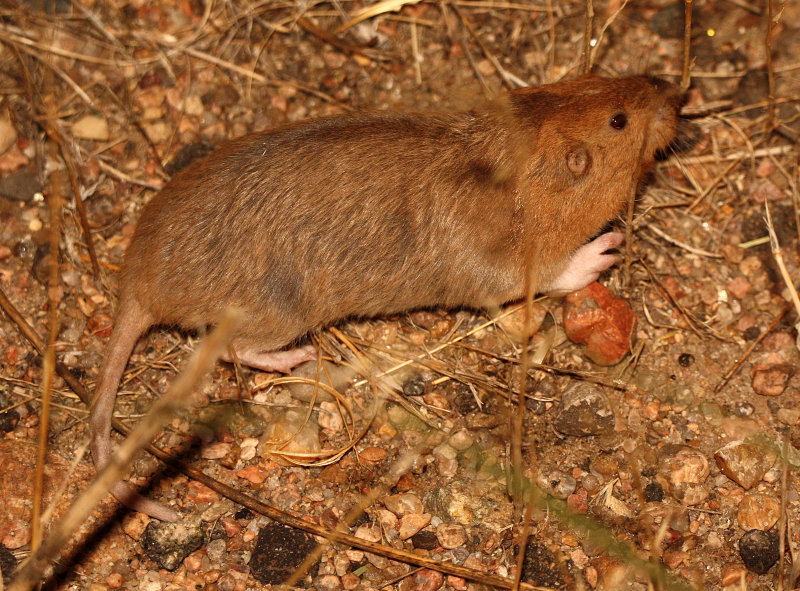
(169, 543)
(759, 550)
(41, 264)
(414, 386)
(653, 493)
(751, 333)
(244, 513)
(540, 567)
(464, 401)
(8, 418)
(8, 563)
(425, 540)
(20, 186)
(279, 550)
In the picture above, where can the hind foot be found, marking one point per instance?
(282, 361)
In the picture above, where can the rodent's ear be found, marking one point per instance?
(578, 160)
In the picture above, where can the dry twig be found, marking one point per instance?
(687, 44)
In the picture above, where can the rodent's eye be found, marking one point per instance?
(619, 121)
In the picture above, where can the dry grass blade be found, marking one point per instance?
(787, 278)
(687, 247)
(322, 457)
(55, 201)
(769, 123)
(629, 218)
(176, 397)
(375, 10)
(587, 36)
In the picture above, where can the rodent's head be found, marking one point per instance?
(598, 134)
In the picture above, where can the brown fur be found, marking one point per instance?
(368, 214)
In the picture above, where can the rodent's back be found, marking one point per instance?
(345, 216)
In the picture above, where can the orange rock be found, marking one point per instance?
(602, 321)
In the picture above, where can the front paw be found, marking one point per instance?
(586, 264)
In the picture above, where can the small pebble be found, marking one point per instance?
(739, 287)
(254, 474)
(559, 484)
(770, 379)
(734, 574)
(675, 558)
(350, 581)
(372, 455)
(585, 410)
(169, 544)
(8, 135)
(193, 562)
(370, 532)
(388, 521)
(604, 464)
(514, 324)
(15, 533)
(216, 451)
(461, 440)
(591, 483)
(684, 469)
(788, 416)
(327, 583)
(199, 494)
(411, 524)
(451, 535)
(744, 463)
(403, 504)
(91, 127)
(427, 580)
(758, 511)
(578, 502)
(330, 416)
(743, 409)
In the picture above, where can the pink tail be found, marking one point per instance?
(131, 322)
